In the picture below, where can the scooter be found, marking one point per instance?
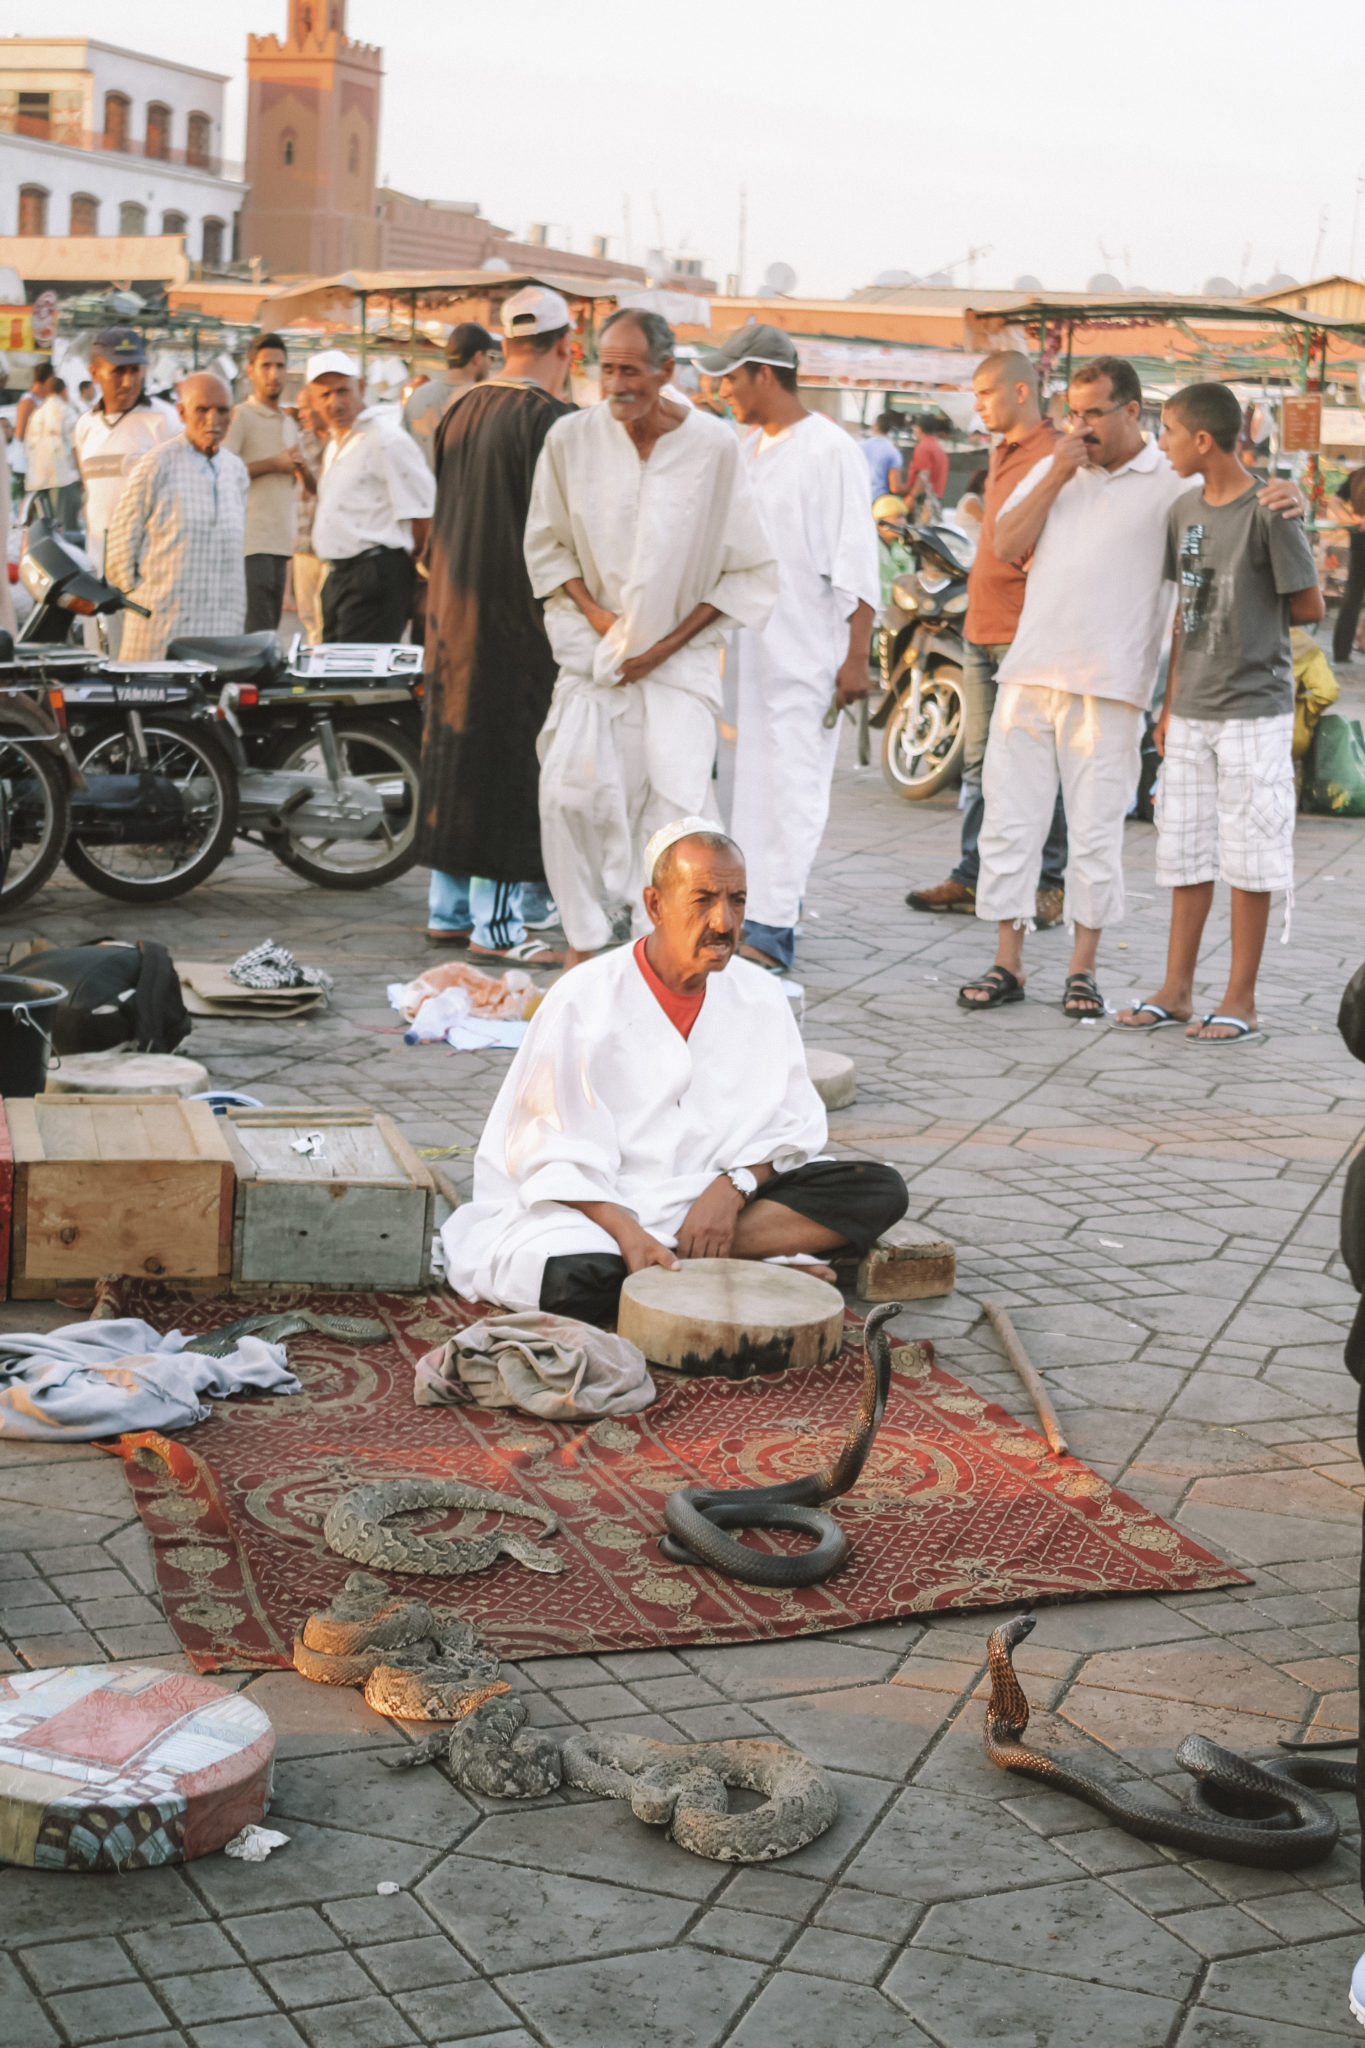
(323, 816)
(920, 651)
(349, 714)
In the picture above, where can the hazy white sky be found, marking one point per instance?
(1165, 143)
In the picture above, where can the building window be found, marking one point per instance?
(35, 114)
(287, 148)
(132, 218)
(84, 214)
(213, 244)
(158, 130)
(173, 223)
(353, 156)
(117, 107)
(32, 210)
(197, 141)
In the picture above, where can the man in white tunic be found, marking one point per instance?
(645, 543)
(798, 671)
(659, 1109)
(176, 542)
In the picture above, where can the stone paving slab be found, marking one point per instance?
(1162, 1224)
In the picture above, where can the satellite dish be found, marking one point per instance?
(1254, 290)
(1281, 282)
(939, 277)
(1219, 288)
(495, 263)
(779, 280)
(1103, 281)
(892, 280)
(1028, 283)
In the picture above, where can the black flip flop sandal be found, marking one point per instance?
(1082, 999)
(1004, 988)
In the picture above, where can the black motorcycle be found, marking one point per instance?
(148, 776)
(920, 652)
(332, 739)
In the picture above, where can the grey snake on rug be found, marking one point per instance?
(290, 1322)
(1238, 1811)
(698, 1517)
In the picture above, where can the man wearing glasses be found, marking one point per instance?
(1080, 673)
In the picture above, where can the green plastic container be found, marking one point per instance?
(1334, 772)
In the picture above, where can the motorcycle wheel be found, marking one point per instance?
(201, 767)
(39, 808)
(916, 764)
(383, 756)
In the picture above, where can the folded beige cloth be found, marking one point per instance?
(548, 1365)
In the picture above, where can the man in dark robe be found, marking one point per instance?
(490, 671)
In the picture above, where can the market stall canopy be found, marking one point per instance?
(1187, 329)
(338, 301)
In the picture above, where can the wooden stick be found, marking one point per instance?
(1028, 1373)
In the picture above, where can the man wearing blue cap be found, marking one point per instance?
(114, 435)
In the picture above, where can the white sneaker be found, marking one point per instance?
(1358, 1991)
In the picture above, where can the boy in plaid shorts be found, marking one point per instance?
(1226, 799)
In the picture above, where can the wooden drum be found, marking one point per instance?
(731, 1317)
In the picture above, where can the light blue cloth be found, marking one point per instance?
(881, 455)
(101, 1378)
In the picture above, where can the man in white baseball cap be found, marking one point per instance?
(374, 505)
(811, 484)
(535, 309)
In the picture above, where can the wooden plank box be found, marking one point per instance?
(909, 1262)
(359, 1212)
(105, 1185)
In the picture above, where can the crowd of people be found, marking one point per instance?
(581, 577)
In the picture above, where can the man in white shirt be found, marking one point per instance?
(810, 481)
(53, 478)
(112, 438)
(1079, 674)
(375, 500)
(645, 544)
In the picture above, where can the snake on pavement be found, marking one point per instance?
(682, 1788)
(1239, 1811)
(292, 1322)
(355, 1527)
(698, 1517)
(411, 1664)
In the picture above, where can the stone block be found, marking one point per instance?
(909, 1262)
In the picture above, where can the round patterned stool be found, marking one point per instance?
(123, 1766)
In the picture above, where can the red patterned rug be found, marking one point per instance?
(958, 1507)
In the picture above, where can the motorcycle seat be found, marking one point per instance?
(236, 657)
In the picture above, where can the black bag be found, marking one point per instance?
(120, 992)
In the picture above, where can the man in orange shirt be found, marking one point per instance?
(1007, 400)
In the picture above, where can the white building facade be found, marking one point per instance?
(96, 140)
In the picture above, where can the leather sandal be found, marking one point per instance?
(1082, 999)
(1003, 987)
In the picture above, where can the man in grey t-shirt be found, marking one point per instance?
(1226, 798)
(469, 357)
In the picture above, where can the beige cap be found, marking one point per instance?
(535, 309)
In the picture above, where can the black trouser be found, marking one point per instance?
(368, 597)
(857, 1197)
(265, 576)
(1352, 597)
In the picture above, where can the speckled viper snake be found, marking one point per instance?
(355, 1528)
(1239, 1811)
(697, 1517)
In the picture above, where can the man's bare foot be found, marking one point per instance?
(819, 1272)
(1229, 1022)
(1155, 1013)
(748, 952)
(575, 958)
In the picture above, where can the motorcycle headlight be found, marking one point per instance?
(34, 577)
(958, 603)
(904, 592)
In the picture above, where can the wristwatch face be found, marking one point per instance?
(743, 1179)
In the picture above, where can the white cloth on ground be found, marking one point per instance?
(1225, 803)
(175, 545)
(1090, 744)
(100, 1378)
(1096, 606)
(547, 1365)
(607, 1102)
(811, 484)
(651, 540)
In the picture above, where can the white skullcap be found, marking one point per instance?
(669, 835)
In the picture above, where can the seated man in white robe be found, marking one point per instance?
(645, 541)
(659, 1109)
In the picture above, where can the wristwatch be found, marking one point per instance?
(745, 1182)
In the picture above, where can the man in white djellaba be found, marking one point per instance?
(659, 1109)
(646, 546)
(796, 673)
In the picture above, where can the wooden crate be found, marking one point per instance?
(909, 1262)
(105, 1185)
(359, 1213)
